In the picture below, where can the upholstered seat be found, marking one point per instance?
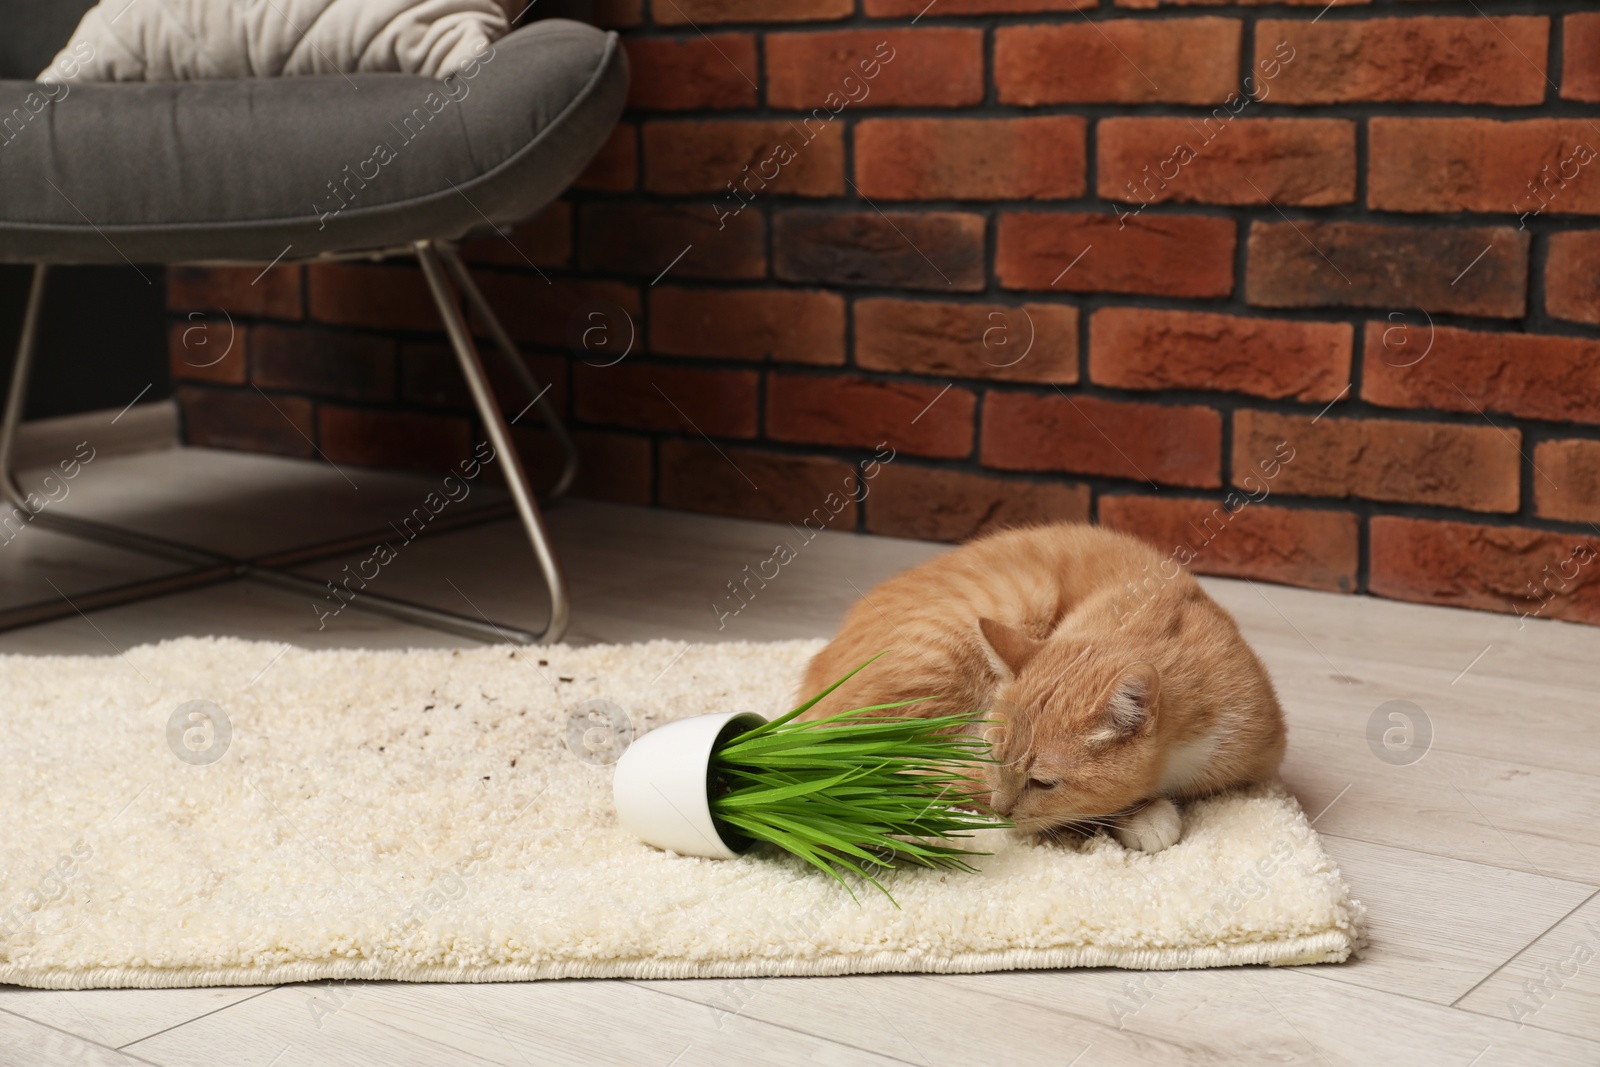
(250, 169)
(263, 170)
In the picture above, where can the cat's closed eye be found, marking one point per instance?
(1040, 783)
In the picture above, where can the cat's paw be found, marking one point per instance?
(1150, 829)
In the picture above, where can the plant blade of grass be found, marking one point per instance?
(742, 798)
(767, 727)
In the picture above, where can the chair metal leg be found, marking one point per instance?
(508, 348)
(209, 568)
(16, 399)
(494, 425)
(13, 494)
(14, 502)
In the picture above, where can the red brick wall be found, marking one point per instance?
(1313, 295)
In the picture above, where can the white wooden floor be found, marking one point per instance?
(1480, 861)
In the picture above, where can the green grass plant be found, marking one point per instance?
(859, 791)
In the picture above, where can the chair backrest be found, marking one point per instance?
(33, 31)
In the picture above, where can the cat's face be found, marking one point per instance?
(1073, 726)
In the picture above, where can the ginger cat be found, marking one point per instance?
(1118, 684)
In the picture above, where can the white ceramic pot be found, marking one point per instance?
(662, 785)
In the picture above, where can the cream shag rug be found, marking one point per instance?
(423, 816)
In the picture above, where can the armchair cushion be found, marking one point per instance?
(175, 40)
(252, 169)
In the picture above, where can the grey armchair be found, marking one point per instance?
(296, 169)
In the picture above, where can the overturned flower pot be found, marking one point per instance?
(860, 791)
(664, 783)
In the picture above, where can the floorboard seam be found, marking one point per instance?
(1514, 956)
(197, 1018)
(80, 1038)
(768, 1022)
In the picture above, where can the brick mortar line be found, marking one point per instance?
(844, 205)
(1554, 108)
(1107, 11)
(1363, 550)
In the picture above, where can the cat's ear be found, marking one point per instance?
(1008, 648)
(1130, 706)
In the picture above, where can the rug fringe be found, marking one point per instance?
(1329, 947)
